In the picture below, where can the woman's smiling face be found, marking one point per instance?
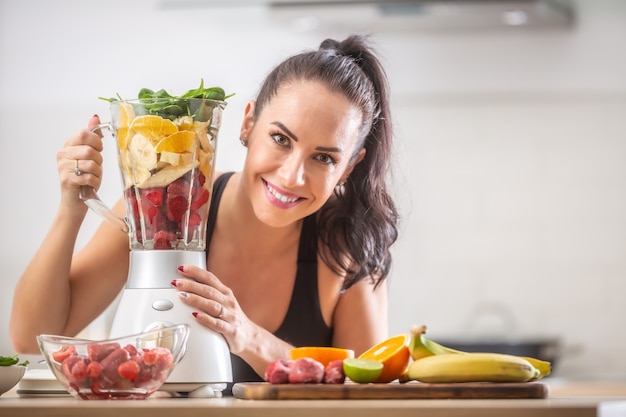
(299, 148)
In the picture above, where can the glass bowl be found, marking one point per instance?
(129, 367)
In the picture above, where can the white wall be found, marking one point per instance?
(510, 149)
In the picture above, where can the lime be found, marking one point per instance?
(362, 371)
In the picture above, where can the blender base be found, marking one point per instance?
(149, 301)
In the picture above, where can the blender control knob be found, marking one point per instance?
(162, 305)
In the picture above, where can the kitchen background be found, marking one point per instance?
(510, 145)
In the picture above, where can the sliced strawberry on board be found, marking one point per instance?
(277, 372)
(333, 373)
(305, 371)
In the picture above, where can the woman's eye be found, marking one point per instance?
(326, 159)
(280, 139)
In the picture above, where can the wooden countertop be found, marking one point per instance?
(231, 407)
(160, 406)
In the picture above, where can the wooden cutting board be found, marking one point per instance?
(411, 390)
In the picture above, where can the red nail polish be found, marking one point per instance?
(173, 282)
(181, 268)
(195, 314)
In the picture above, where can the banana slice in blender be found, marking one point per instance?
(167, 175)
(142, 152)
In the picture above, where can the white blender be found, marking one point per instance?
(166, 153)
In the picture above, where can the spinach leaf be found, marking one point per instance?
(162, 103)
(12, 360)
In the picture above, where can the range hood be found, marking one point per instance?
(401, 15)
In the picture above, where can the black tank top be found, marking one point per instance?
(303, 324)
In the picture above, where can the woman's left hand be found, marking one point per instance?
(215, 305)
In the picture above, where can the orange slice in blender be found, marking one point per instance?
(202, 131)
(179, 142)
(206, 163)
(322, 354)
(126, 114)
(153, 127)
(393, 353)
(184, 123)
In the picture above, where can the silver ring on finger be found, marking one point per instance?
(77, 170)
(221, 314)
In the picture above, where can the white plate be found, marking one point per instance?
(40, 382)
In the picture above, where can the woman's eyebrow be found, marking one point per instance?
(325, 149)
(294, 137)
(283, 127)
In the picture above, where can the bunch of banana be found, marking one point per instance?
(421, 347)
(435, 363)
(472, 367)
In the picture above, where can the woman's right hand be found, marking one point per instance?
(79, 163)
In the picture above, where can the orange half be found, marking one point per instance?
(153, 127)
(322, 354)
(394, 354)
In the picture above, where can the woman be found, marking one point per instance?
(312, 186)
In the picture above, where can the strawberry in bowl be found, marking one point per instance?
(129, 367)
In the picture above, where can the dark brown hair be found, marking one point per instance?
(359, 226)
